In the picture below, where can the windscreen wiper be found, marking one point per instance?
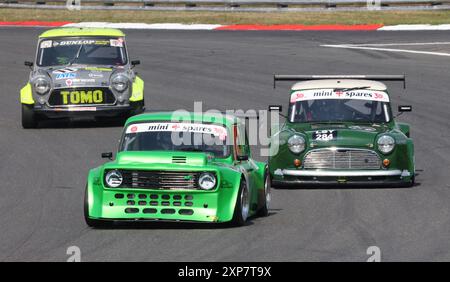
(191, 149)
(352, 88)
(76, 56)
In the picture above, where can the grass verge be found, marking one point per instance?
(306, 18)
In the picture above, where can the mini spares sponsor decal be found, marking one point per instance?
(215, 130)
(322, 94)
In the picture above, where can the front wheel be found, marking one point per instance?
(412, 182)
(264, 211)
(242, 208)
(29, 119)
(89, 221)
(139, 107)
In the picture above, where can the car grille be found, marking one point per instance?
(163, 180)
(341, 159)
(81, 97)
(157, 203)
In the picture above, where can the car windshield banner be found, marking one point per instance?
(215, 130)
(321, 94)
(114, 42)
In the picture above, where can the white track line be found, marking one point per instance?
(406, 27)
(367, 47)
(399, 44)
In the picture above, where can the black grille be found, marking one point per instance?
(160, 180)
(81, 96)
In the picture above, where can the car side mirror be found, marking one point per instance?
(402, 109)
(135, 63)
(28, 64)
(108, 155)
(278, 109)
(242, 158)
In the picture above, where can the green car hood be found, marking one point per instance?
(163, 158)
(351, 135)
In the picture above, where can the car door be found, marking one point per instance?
(244, 161)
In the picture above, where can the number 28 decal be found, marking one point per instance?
(324, 135)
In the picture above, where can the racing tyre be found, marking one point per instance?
(242, 208)
(139, 108)
(29, 119)
(412, 182)
(89, 221)
(264, 211)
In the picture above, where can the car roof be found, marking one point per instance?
(72, 31)
(224, 119)
(338, 83)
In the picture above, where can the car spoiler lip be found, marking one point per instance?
(289, 77)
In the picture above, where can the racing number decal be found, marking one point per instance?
(325, 135)
(82, 97)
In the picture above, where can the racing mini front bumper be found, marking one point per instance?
(292, 177)
(88, 111)
(122, 205)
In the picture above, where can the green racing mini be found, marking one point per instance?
(198, 169)
(341, 130)
(81, 72)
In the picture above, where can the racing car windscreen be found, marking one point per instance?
(82, 51)
(338, 111)
(185, 137)
(339, 106)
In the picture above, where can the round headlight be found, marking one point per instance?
(119, 82)
(207, 181)
(296, 144)
(113, 178)
(41, 86)
(386, 144)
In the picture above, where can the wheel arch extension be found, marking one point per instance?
(137, 90)
(26, 95)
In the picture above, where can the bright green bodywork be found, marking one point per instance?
(349, 137)
(217, 205)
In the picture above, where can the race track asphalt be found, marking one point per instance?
(43, 172)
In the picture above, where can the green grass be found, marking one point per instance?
(307, 18)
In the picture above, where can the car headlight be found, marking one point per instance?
(120, 82)
(41, 85)
(296, 144)
(207, 181)
(113, 178)
(386, 144)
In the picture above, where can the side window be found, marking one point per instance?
(240, 141)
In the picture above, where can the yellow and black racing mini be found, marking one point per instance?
(81, 73)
